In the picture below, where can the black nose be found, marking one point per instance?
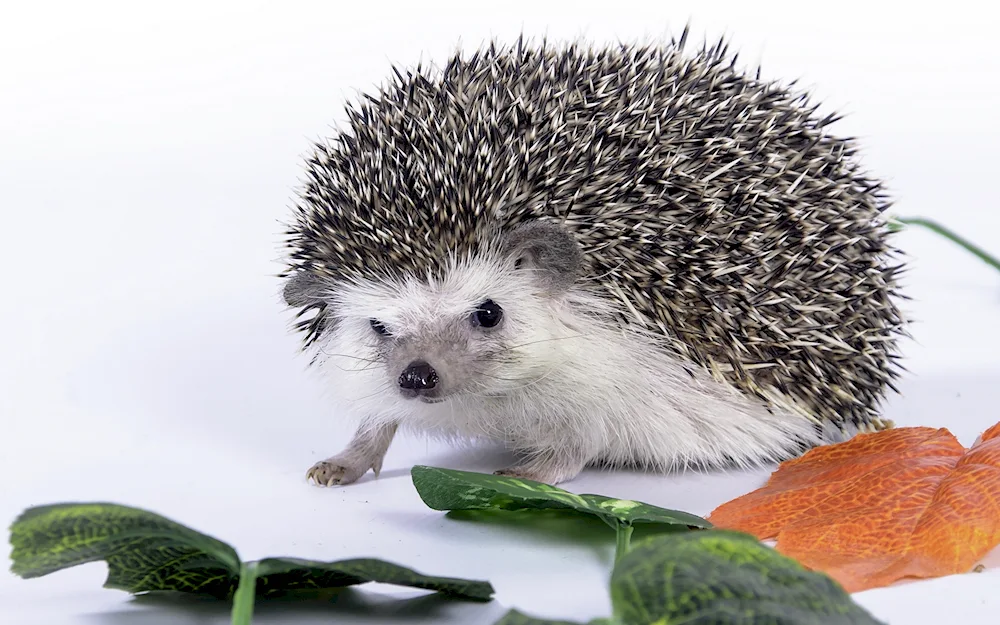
(419, 376)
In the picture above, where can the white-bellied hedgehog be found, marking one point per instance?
(628, 256)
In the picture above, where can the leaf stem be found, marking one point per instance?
(623, 535)
(953, 237)
(246, 593)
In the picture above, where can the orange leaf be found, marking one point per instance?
(907, 502)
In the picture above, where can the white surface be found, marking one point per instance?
(147, 157)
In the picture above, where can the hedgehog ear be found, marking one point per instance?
(303, 288)
(547, 249)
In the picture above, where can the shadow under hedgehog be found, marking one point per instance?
(622, 256)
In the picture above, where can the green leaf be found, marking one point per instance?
(146, 552)
(280, 575)
(447, 489)
(721, 576)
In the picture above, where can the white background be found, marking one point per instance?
(148, 154)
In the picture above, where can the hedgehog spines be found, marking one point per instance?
(714, 204)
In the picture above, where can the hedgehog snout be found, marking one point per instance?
(418, 377)
(435, 368)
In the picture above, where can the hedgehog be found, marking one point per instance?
(629, 256)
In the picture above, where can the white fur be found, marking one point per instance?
(581, 386)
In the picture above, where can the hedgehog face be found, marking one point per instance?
(425, 341)
(440, 339)
(482, 328)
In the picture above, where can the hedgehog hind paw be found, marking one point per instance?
(548, 469)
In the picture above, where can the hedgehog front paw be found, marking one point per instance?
(366, 451)
(334, 471)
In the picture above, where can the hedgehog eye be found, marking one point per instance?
(379, 328)
(488, 314)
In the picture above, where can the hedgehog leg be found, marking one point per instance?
(548, 467)
(365, 451)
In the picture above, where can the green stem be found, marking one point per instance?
(246, 593)
(623, 538)
(953, 237)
